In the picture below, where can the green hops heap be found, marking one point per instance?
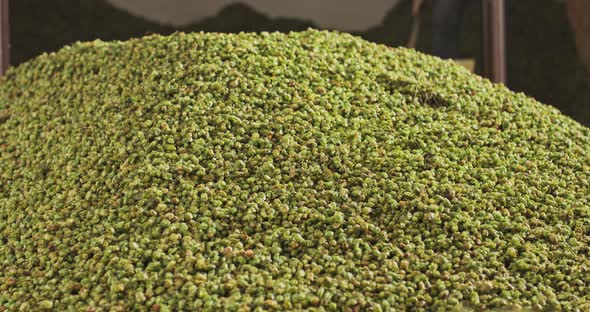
(309, 170)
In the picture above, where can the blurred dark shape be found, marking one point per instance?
(39, 26)
(396, 27)
(239, 17)
(578, 13)
(542, 57)
(4, 37)
(447, 20)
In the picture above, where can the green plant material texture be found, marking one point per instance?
(541, 52)
(310, 170)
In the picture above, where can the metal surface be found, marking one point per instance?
(4, 37)
(413, 40)
(494, 40)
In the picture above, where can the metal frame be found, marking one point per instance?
(494, 40)
(4, 37)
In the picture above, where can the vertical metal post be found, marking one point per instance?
(4, 37)
(494, 40)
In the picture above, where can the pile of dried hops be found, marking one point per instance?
(310, 170)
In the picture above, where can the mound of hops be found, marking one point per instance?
(310, 170)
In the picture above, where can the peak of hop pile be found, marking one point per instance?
(272, 172)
